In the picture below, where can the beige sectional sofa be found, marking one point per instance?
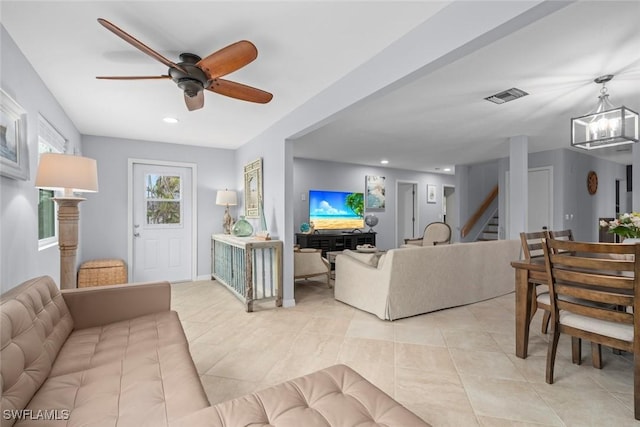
(405, 282)
(118, 356)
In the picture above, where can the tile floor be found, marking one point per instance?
(454, 367)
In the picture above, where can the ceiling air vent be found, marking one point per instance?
(506, 95)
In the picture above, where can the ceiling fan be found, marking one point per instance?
(194, 74)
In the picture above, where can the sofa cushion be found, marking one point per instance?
(364, 257)
(101, 345)
(130, 373)
(34, 324)
(335, 396)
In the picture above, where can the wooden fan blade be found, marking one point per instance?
(194, 102)
(138, 44)
(132, 77)
(228, 59)
(240, 91)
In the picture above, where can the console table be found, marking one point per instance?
(250, 268)
(329, 242)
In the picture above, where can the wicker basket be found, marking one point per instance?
(101, 272)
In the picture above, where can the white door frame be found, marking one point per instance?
(194, 210)
(416, 202)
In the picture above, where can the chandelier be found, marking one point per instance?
(606, 126)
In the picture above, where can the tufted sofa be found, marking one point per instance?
(118, 356)
(109, 355)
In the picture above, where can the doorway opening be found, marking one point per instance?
(406, 211)
(450, 207)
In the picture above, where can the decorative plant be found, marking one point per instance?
(355, 202)
(627, 225)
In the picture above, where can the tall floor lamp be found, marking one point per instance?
(70, 174)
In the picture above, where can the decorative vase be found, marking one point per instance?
(631, 240)
(242, 228)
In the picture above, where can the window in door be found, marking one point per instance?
(49, 141)
(163, 196)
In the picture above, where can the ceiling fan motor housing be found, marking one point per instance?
(194, 80)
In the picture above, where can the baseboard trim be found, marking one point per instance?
(288, 303)
(204, 277)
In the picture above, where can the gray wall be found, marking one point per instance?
(573, 207)
(105, 214)
(586, 208)
(20, 258)
(322, 175)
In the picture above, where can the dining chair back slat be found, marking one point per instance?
(612, 298)
(582, 278)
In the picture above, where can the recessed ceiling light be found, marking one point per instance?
(447, 169)
(171, 120)
(384, 162)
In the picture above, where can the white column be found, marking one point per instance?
(635, 178)
(518, 185)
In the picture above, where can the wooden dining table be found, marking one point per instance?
(528, 274)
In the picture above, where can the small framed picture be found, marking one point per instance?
(13, 139)
(375, 192)
(431, 193)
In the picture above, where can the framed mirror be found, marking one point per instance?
(252, 188)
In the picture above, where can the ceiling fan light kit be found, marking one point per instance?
(193, 75)
(606, 126)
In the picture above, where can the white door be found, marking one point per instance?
(540, 199)
(540, 215)
(406, 212)
(162, 223)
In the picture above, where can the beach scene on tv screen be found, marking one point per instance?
(336, 210)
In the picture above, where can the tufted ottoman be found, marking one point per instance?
(333, 397)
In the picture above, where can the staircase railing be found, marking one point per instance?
(466, 229)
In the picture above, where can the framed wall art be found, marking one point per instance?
(431, 193)
(375, 192)
(14, 158)
(252, 188)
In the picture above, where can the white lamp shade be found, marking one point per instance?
(67, 172)
(226, 198)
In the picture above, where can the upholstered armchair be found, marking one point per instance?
(308, 262)
(436, 233)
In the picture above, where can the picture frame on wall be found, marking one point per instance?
(252, 188)
(14, 158)
(375, 193)
(431, 193)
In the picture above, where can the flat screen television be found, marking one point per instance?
(336, 210)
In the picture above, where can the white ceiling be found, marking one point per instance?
(436, 121)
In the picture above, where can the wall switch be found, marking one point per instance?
(303, 197)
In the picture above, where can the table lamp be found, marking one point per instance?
(226, 198)
(70, 174)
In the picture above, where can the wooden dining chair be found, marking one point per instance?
(587, 282)
(562, 235)
(531, 250)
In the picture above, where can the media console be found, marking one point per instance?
(335, 241)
